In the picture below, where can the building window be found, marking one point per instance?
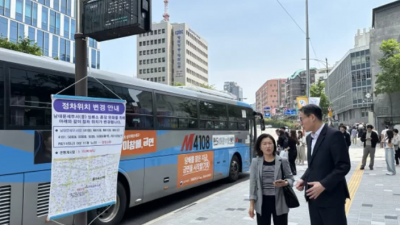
(66, 27)
(28, 12)
(68, 50)
(148, 61)
(151, 51)
(98, 60)
(14, 31)
(69, 7)
(159, 31)
(163, 40)
(140, 52)
(163, 79)
(3, 27)
(163, 31)
(45, 18)
(52, 21)
(151, 61)
(46, 44)
(148, 42)
(159, 41)
(56, 5)
(140, 62)
(163, 50)
(58, 21)
(55, 47)
(39, 39)
(148, 52)
(19, 10)
(163, 69)
(93, 59)
(5, 7)
(140, 71)
(31, 33)
(62, 49)
(151, 42)
(73, 29)
(64, 6)
(140, 43)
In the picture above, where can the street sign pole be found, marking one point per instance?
(80, 73)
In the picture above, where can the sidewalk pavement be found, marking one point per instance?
(376, 200)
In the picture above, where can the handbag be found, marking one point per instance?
(290, 196)
(283, 154)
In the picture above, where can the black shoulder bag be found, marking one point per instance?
(290, 196)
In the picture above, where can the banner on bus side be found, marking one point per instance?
(194, 168)
(87, 136)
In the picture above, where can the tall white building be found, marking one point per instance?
(172, 53)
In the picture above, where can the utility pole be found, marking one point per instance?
(308, 77)
(80, 73)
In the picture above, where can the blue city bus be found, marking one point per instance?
(169, 130)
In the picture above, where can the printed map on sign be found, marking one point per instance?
(194, 168)
(87, 135)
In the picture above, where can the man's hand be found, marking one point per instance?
(316, 190)
(300, 185)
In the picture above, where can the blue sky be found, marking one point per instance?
(255, 40)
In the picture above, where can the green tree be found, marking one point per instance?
(177, 84)
(318, 90)
(212, 87)
(23, 45)
(387, 81)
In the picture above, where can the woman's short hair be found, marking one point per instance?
(258, 144)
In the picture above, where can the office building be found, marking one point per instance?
(271, 94)
(172, 53)
(386, 25)
(349, 83)
(296, 86)
(50, 23)
(234, 89)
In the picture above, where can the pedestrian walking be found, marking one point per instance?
(301, 148)
(346, 136)
(383, 136)
(370, 139)
(354, 135)
(396, 142)
(266, 182)
(389, 153)
(293, 151)
(324, 180)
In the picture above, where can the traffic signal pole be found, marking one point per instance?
(80, 73)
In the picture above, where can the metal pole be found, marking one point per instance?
(327, 74)
(80, 72)
(308, 77)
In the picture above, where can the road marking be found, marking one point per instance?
(191, 204)
(353, 185)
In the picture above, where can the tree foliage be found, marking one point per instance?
(212, 87)
(23, 45)
(388, 80)
(318, 90)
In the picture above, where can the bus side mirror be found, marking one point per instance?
(262, 123)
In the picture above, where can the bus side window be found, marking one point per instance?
(176, 112)
(30, 97)
(213, 115)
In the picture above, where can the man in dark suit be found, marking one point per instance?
(370, 139)
(328, 163)
(346, 135)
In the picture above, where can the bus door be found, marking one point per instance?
(257, 125)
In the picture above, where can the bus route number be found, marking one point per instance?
(196, 142)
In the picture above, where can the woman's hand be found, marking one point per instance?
(281, 183)
(251, 212)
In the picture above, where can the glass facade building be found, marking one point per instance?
(50, 23)
(348, 86)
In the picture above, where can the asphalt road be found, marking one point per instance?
(152, 210)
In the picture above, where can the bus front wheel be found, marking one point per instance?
(234, 169)
(114, 214)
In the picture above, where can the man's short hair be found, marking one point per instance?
(312, 109)
(370, 126)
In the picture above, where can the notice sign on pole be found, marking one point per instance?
(87, 135)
